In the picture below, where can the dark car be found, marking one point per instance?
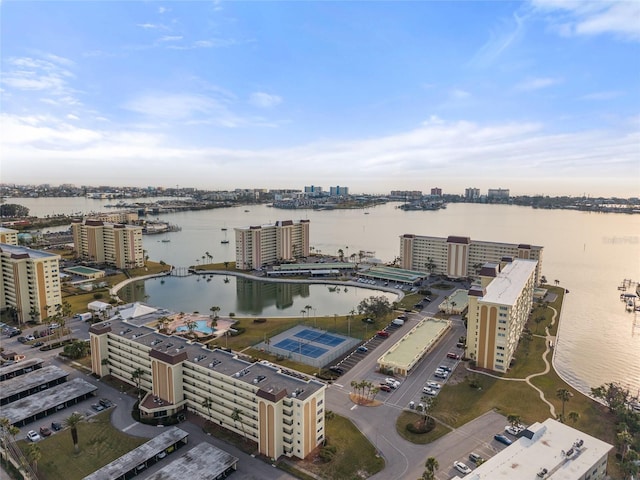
(44, 431)
(502, 439)
(105, 402)
(14, 333)
(37, 344)
(56, 427)
(22, 339)
(97, 407)
(338, 370)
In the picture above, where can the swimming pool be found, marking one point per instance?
(202, 327)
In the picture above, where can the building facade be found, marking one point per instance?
(498, 193)
(459, 257)
(8, 236)
(109, 243)
(261, 245)
(498, 310)
(471, 193)
(339, 191)
(30, 282)
(280, 410)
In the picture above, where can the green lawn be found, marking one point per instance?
(355, 456)
(100, 444)
(420, 438)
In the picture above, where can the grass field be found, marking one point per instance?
(100, 444)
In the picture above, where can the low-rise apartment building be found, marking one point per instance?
(459, 257)
(8, 236)
(498, 310)
(280, 410)
(30, 282)
(261, 245)
(109, 243)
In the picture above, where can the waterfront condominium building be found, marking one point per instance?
(261, 245)
(30, 282)
(280, 410)
(459, 257)
(498, 311)
(8, 236)
(110, 243)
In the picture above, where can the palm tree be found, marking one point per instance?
(209, 257)
(226, 265)
(72, 422)
(341, 254)
(556, 282)
(136, 376)
(236, 416)
(429, 403)
(4, 431)
(207, 403)
(564, 395)
(625, 439)
(163, 322)
(431, 465)
(34, 454)
(574, 417)
(514, 420)
(191, 326)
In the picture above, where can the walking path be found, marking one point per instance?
(549, 340)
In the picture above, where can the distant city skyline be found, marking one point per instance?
(538, 97)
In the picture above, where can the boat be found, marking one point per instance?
(246, 210)
(224, 241)
(224, 229)
(165, 240)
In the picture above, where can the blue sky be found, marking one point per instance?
(540, 97)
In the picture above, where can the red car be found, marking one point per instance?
(44, 431)
(385, 388)
(455, 356)
(383, 333)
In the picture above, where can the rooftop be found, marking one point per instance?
(200, 463)
(9, 369)
(564, 452)
(506, 287)
(34, 379)
(17, 251)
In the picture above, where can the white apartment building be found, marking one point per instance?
(459, 257)
(8, 236)
(548, 451)
(110, 243)
(498, 311)
(261, 245)
(280, 410)
(30, 282)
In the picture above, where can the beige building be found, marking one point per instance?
(116, 217)
(8, 236)
(268, 244)
(498, 311)
(459, 257)
(110, 243)
(30, 282)
(280, 410)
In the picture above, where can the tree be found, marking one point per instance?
(209, 256)
(163, 322)
(556, 282)
(539, 319)
(236, 416)
(564, 395)
(226, 265)
(624, 439)
(214, 317)
(207, 403)
(76, 349)
(428, 403)
(375, 307)
(341, 254)
(573, 416)
(136, 376)
(191, 326)
(4, 431)
(431, 465)
(72, 422)
(13, 210)
(514, 420)
(613, 394)
(34, 454)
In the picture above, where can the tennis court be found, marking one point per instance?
(301, 348)
(323, 337)
(308, 345)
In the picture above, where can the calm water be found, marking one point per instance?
(590, 254)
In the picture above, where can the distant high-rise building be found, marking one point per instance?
(111, 243)
(30, 282)
(498, 194)
(471, 193)
(405, 194)
(338, 191)
(267, 244)
(313, 191)
(436, 192)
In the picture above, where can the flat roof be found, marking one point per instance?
(314, 266)
(411, 348)
(139, 455)
(50, 398)
(566, 454)
(200, 463)
(397, 274)
(275, 380)
(507, 286)
(34, 379)
(21, 365)
(83, 269)
(18, 250)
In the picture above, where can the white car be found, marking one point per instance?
(515, 431)
(461, 467)
(33, 436)
(429, 391)
(435, 385)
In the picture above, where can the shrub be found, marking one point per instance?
(419, 428)
(98, 295)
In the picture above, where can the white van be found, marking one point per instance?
(398, 321)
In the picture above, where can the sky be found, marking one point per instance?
(541, 97)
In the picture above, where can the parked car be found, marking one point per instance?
(22, 339)
(336, 369)
(383, 333)
(56, 427)
(502, 439)
(429, 391)
(30, 337)
(434, 385)
(445, 368)
(33, 436)
(368, 320)
(441, 374)
(37, 344)
(514, 430)
(455, 356)
(461, 467)
(14, 333)
(45, 431)
(385, 388)
(97, 407)
(105, 402)
(362, 348)
(475, 458)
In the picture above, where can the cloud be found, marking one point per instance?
(170, 38)
(162, 10)
(607, 95)
(211, 43)
(264, 100)
(570, 18)
(152, 26)
(459, 94)
(537, 84)
(501, 38)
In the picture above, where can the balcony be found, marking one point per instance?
(287, 413)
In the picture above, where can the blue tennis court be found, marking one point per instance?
(323, 338)
(301, 348)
